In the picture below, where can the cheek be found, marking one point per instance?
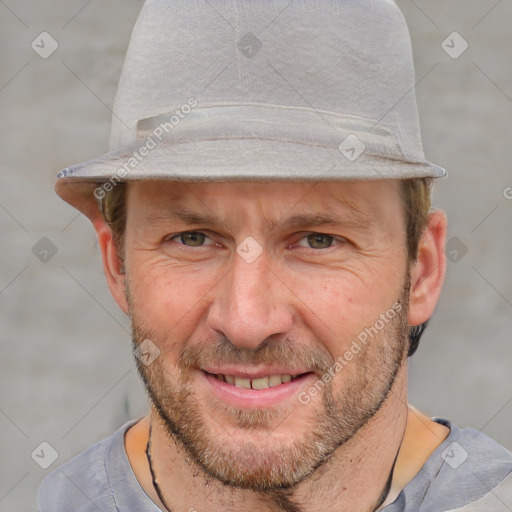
(339, 308)
(169, 301)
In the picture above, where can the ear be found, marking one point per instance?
(427, 274)
(112, 263)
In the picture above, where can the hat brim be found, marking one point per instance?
(256, 159)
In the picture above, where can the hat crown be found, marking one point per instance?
(346, 57)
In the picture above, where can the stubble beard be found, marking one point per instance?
(258, 463)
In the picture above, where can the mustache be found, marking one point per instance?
(273, 353)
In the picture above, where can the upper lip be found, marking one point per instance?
(251, 373)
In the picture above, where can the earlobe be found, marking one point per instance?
(112, 263)
(427, 274)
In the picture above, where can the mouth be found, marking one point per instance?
(264, 382)
(259, 390)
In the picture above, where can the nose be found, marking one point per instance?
(250, 304)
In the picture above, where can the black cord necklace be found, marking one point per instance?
(383, 496)
(152, 471)
(387, 488)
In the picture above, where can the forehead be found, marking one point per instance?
(357, 201)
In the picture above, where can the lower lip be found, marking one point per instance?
(256, 398)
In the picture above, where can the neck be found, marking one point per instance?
(355, 477)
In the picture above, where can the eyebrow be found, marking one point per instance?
(183, 215)
(353, 217)
(349, 217)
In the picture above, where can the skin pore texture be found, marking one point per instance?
(252, 280)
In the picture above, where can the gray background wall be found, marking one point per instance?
(66, 372)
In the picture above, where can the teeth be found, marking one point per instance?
(242, 383)
(274, 380)
(259, 383)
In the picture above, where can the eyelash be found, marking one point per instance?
(171, 238)
(334, 240)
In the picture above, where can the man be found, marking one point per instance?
(264, 219)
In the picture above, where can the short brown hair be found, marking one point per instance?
(416, 197)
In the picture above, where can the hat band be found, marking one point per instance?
(271, 122)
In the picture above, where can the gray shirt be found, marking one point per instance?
(468, 472)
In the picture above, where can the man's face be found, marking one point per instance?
(242, 285)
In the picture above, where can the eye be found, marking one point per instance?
(190, 238)
(317, 241)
